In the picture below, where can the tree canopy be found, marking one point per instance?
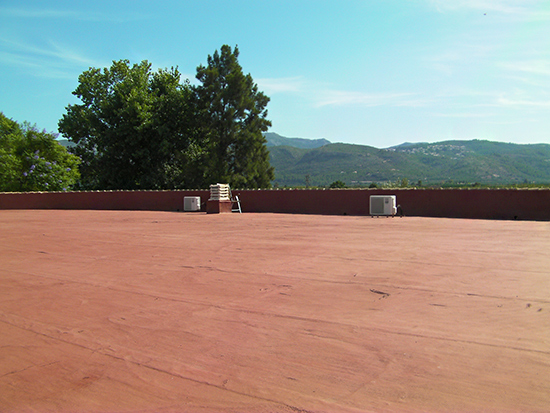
(131, 128)
(32, 160)
(233, 114)
(139, 129)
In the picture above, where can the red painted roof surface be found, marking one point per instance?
(104, 311)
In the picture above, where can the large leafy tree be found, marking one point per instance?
(139, 129)
(132, 129)
(33, 160)
(233, 117)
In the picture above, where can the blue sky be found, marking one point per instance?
(368, 72)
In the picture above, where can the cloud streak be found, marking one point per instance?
(530, 10)
(37, 13)
(366, 99)
(530, 103)
(281, 85)
(500, 6)
(532, 67)
(320, 95)
(52, 60)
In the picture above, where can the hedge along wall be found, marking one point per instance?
(450, 203)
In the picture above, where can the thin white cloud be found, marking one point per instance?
(463, 115)
(321, 95)
(532, 67)
(500, 6)
(281, 85)
(463, 101)
(71, 56)
(468, 52)
(38, 13)
(518, 102)
(49, 50)
(51, 59)
(524, 10)
(341, 98)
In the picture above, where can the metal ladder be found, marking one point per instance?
(237, 201)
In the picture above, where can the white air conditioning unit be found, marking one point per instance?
(191, 203)
(383, 205)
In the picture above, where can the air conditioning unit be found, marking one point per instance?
(383, 204)
(191, 203)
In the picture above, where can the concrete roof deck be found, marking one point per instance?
(117, 311)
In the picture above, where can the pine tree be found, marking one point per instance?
(233, 117)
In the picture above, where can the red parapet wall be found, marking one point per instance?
(108, 200)
(449, 203)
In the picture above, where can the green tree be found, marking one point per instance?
(10, 168)
(32, 160)
(233, 117)
(133, 128)
(338, 184)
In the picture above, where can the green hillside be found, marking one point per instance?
(467, 162)
(274, 139)
(474, 161)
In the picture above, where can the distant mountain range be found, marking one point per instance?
(277, 140)
(480, 161)
(318, 162)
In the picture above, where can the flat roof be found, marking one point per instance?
(160, 311)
